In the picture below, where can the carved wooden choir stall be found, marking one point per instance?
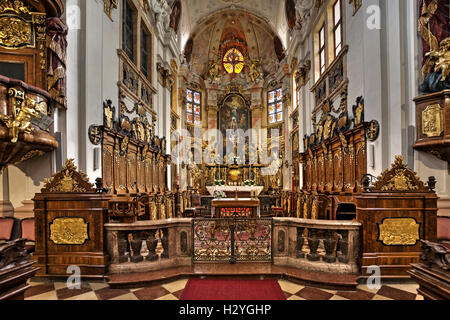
(397, 212)
(70, 213)
(334, 162)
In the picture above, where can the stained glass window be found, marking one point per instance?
(233, 61)
(275, 106)
(193, 107)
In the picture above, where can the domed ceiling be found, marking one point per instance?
(240, 25)
(199, 9)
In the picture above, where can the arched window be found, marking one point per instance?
(233, 61)
(275, 106)
(193, 107)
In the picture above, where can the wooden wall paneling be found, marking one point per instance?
(360, 162)
(315, 180)
(329, 171)
(132, 168)
(161, 177)
(121, 172)
(321, 172)
(347, 156)
(141, 172)
(308, 173)
(149, 172)
(337, 175)
(160, 206)
(155, 173)
(108, 162)
(153, 208)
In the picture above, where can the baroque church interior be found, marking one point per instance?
(224, 149)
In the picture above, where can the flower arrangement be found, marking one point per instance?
(219, 182)
(219, 194)
(249, 182)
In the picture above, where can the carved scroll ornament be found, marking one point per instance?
(68, 180)
(399, 178)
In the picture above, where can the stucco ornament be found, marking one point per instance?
(303, 11)
(162, 12)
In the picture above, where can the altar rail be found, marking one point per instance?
(328, 246)
(313, 245)
(167, 244)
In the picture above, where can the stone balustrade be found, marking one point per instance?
(318, 245)
(315, 245)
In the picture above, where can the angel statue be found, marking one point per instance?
(214, 70)
(253, 66)
(438, 77)
(21, 122)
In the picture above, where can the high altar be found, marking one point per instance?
(237, 111)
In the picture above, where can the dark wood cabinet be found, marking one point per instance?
(69, 220)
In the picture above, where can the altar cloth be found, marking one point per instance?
(257, 189)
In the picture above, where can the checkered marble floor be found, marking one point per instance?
(172, 291)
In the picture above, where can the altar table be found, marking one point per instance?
(231, 190)
(229, 207)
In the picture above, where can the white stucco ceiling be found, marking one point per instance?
(266, 9)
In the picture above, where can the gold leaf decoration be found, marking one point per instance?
(399, 231)
(15, 6)
(69, 231)
(399, 178)
(15, 33)
(68, 180)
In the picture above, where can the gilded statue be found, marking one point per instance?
(108, 117)
(214, 70)
(441, 58)
(358, 111)
(148, 134)
(320, 132)
(139, 130)
(196, 176)
(327, 127)
(253, 66)
(124, 145)
(344, 142)
(436, 68)
(21, 122)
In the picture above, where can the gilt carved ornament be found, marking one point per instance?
(68, 180)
